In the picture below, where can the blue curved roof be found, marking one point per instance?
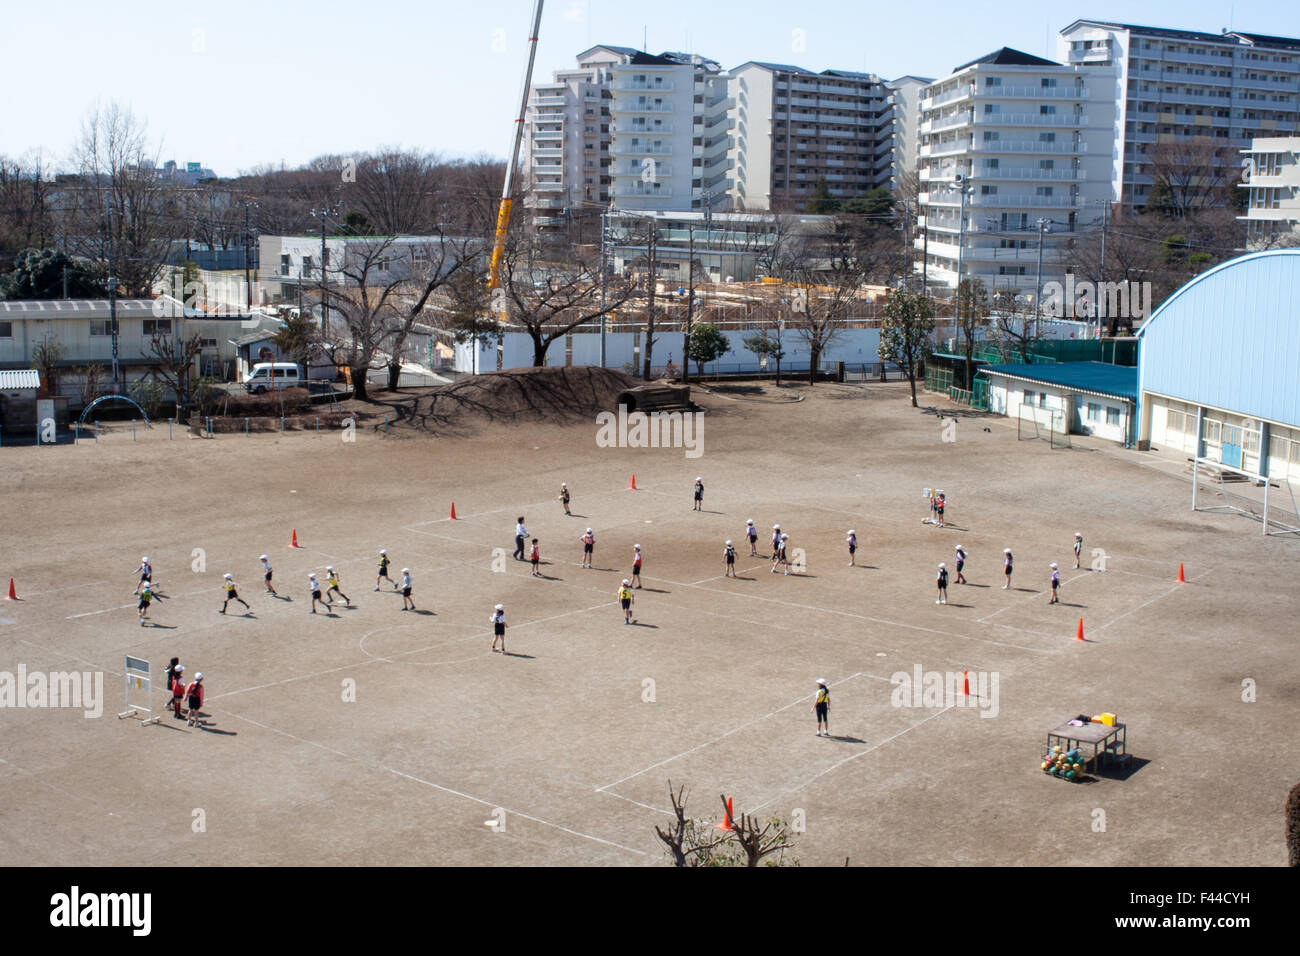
(1230, 338)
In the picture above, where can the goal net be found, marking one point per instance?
(1226, 489)
(1047, 424)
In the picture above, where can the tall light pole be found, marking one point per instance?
(604, 268)
(248, 288)
(965, 189)
(1044, 227)
(1105, 221)
(322, 214)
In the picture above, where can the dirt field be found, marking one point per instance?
(573, 737)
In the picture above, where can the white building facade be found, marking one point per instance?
(1028, 140)
(1272, 179)
(1176, 86)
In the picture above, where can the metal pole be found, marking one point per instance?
(604, 319)
(1043, 226)
(690, 302)
(248, 289)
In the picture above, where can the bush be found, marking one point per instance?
(270, 404)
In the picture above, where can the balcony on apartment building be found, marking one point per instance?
(632, 106)
(1066, 92)
(548, 152)
(622, 148)
(1031, 119)
(639, 170)
(548, 187)
(1023, 146)
(962, 91)
(1092, 55)
(643, 85)
(642, 129)
(1029, 174)
(639, 190)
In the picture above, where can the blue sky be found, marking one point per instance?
(240, 84)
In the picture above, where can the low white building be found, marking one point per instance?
(1084, 398)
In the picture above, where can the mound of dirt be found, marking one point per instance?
(520, 395)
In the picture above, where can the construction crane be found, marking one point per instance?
(503, 214)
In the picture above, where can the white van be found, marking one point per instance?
(266, 376)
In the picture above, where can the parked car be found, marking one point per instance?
(268, 376)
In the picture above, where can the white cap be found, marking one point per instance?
(227, 577)
(728, 541)
(749, 521)
(821, 680)
(776, 527)
(957, 547)
(406, 570)
(1078, 534)
(383, 550)
(637, 547)
(199, 676)
(563, 485)
(588, 531)
(312, 576)
(698, 478)
(178, 668)
(942, 565)
(501, 607)
(851, 531)
(1053, 564)
(1006, 550)
(145, 558)
(264, 558)
(626, 582)
(329, 567)
(784, 536)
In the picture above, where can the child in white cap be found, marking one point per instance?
(699, 493)
(194, 698)
(625, 601)
(406, 590)
(499, 627)
(232, 595)
(588, 544)
(821, 707)
(785, 539)
(564, 498)
(752, 534)
(1006, 567)
(383, 570)
(146, 596)
(853, 548)
(941, 579)
(636, 566)
(1078, 548)
(961, 563)
(333, 579)
(776, 546)
(145, 571)
(729, 555)
(315, 591)
(266, 574)
(1056, 583)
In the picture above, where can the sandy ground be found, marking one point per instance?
(369, 735)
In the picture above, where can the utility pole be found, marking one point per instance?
(322, 214)
(965, 189)
(1105, 221)
(604, 318)
(1044, 227)
(647, 352)
(690, 302)
(112, 288)
(248, 236)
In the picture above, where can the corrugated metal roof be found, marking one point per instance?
(1119, 381)
(23, 378)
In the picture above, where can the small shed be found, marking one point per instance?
(18, 389)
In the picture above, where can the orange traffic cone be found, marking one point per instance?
(632, 487)
(13, 595)
(965, 684)
(1181, 579)
(453, 511)
(1078, 635)
(293, 543)
(726, 824)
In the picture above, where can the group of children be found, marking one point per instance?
(1008, 563)
(186, 699)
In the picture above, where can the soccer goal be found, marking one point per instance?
(1045, 423)
(1226, 489)
(138, 674)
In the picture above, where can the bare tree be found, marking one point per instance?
(1190, 174)
(25, 214)
(824, 286)
(905, 336)
(367, 311)
(175, 364)
(120, 208)
(972, 315)
(90, 381)
(757, 842)
(690, 842)
(46, 356)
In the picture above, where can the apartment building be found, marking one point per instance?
(794, 128)
(1272, 179)
(1180, 86)
(1028, 142)
(567, 137)
(906, 114)
(669, 133)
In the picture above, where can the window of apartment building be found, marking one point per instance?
(1029, 397)
(284, 265)
(992, 109)
(101, 327)
(988, 190)
(1112, 415)
(1047, 164)
(1047, 137)
(157, 326)
(991, 136)
(306, 265)
(991, 163)
(1094, 412)
(7, 330)
(1043, 190)
(1011, 270)
(1046, 110)
(1047, 82)
(384, 264)
(992, 81)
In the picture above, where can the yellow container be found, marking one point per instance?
(1108, 719)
